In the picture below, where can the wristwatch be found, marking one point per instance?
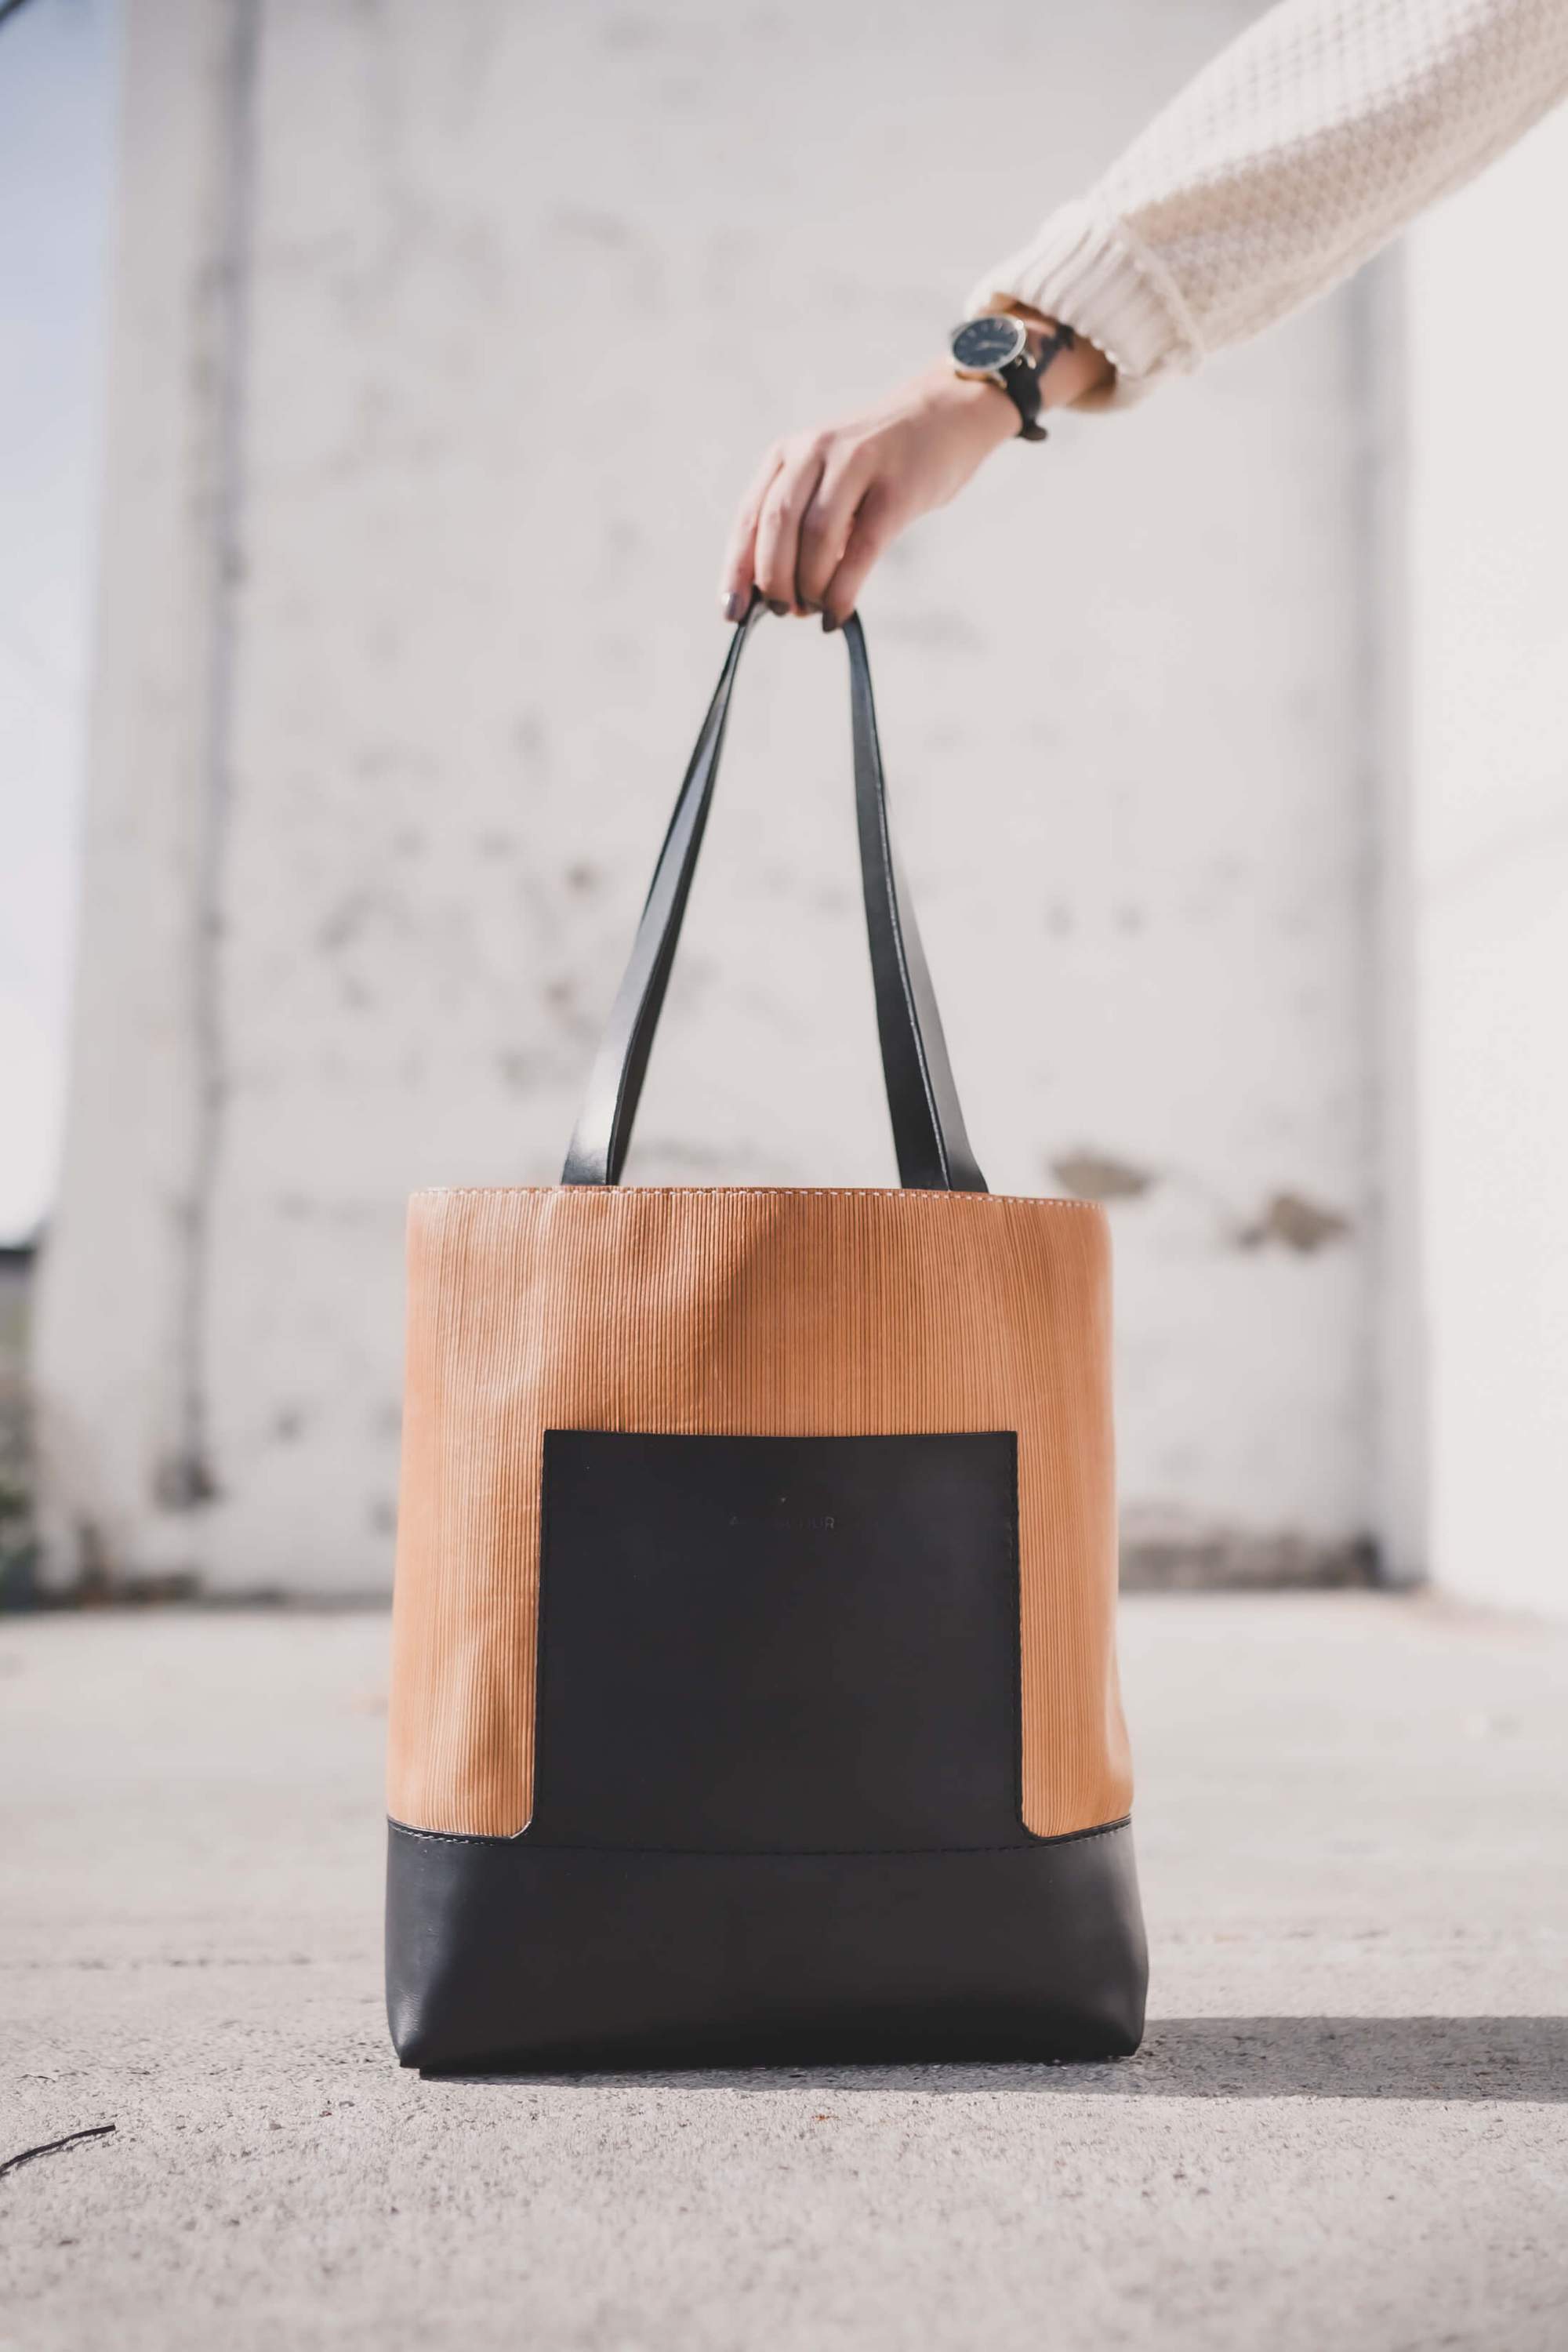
(995, 349)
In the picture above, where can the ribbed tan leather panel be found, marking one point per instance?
(762, 1312)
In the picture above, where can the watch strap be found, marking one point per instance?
(1022, 377)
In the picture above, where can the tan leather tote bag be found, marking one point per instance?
(754, 1689)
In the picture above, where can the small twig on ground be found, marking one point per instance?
(27, 2155)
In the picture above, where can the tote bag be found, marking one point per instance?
(754, 1690)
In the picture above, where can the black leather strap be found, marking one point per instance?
(1022, 379)
(932, 1149)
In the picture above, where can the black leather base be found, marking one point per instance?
(505, 1956)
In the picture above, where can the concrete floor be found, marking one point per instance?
(1349, 2127)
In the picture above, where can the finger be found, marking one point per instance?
(740, 555)
(878, 522)
(778, 526)
(826, 524)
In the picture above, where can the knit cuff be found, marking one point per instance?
(1090, 270)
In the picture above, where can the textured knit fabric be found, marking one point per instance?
(1306, 145)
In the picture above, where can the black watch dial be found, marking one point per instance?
(987, 344)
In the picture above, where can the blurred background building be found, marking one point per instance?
(1229, 740)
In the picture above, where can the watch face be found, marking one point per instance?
(987, 343)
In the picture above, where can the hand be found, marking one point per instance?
(823, 505)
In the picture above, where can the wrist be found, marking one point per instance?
(982, 408)
(1035, 363)
(1073, 370)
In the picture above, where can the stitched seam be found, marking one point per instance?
(1016, 1564)
(1029, 1844)
(776, 1192)
(541, 1648)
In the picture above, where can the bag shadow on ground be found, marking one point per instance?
(1482, 2058)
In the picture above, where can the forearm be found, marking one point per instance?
(1304, 147)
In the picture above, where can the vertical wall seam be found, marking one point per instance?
(1395, 1336)
(190, 1479)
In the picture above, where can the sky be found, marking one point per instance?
(56, 136)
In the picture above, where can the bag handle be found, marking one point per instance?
(933, 1150)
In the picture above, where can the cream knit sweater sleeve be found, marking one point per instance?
(1307, 145)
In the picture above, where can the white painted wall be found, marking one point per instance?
(57, 159)
(1489, 578)
(407, 621)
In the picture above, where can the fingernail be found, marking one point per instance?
(774, 606)
(828, 624)
(734, 606)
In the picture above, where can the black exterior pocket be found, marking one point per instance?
(779, 1645)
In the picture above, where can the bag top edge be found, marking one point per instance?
(753, 1191)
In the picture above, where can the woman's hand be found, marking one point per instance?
(823, 505)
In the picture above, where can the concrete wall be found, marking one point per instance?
(58, 107)
(1489, 572)
(445, 338)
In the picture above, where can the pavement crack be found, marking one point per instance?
(53, 2147)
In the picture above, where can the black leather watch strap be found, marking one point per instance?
(933, 1150)
(1022, 378)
